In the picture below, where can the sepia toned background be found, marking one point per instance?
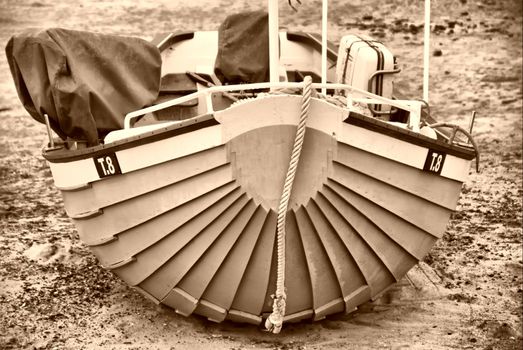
(466, 294)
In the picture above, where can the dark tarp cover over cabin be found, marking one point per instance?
(243, 48)
(86, 82)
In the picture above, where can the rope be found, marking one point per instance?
(455, 129)
(274, 322)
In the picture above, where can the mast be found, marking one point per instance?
(274, 49)
(325, 4)
(426, 52)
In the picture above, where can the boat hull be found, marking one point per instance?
(189, 219)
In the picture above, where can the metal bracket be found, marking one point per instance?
(372, 77)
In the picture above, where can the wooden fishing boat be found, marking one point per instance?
(234, 191)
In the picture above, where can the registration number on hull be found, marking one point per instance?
(107, 165)
(434, 161)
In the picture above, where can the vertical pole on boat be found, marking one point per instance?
(324, 44)
(426, 52)
(274, 50)
(49, 133)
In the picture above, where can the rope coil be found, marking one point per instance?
(274, 322)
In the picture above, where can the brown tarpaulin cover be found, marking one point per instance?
(86, 82)
(243, 48)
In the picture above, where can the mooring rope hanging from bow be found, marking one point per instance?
(274, 322)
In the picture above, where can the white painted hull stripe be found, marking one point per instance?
(84, 171)
(400, 151)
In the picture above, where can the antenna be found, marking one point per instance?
(426, 52)
(325, 5)
(274, 49)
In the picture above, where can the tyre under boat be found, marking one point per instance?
(191, 220)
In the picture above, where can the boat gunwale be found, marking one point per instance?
(409, 136)
(353, 118)
(63, 155)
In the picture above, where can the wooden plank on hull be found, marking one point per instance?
(141, 237)
(297, 277)
(125, 215)
(225, 283)
(298, 316)
(413, 239)
(196, 280)
(243, 317)
(356, 298)
(210, 310)
(326, 294)
(158, 254)
(181, 301)
(250, 297)
(170, 273)
(376, 274)
(397, 260)
(273, 276)
(432, 187)
(119, 188)
(418, 211)
(349, 275)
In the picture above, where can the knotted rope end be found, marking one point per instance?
(274, 322)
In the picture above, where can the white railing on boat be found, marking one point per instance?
(412, 106)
